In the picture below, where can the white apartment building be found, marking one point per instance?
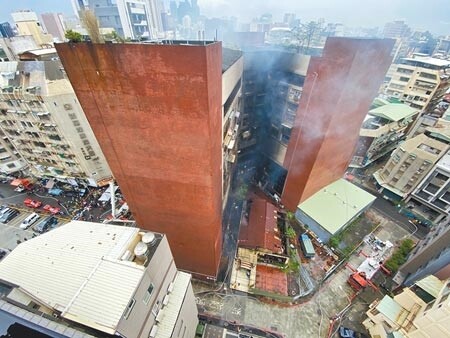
(27, 23)
(420, 311)
(41, 118)
(432, 196)
(408, 165)
(100, 279)
(419, 82)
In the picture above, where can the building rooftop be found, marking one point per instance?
(425, 147)
(15, 320)
(41, 51)
(444, 162)
(335, 205)
(431, 285)
(441, 130)
(390, 309)
(393, 111)
(172, 309)
(261, 230)
(75, 269)
(229, 57)
(428, 60)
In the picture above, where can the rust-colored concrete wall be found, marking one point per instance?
(339, 88)
(156, 112)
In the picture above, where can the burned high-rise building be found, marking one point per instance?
(302, 114)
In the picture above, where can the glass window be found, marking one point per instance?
(148, 293)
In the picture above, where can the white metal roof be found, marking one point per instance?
(430, 60)
(42, 51)
(76, 269)
(172, 309)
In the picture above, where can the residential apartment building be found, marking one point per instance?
(420, 311)
(133, 19)
(54, 25)
(176, 103)
(10, 160)
(396, 29)
(296, 139)
(430, 256)
(431, 198)
(99, 280)
(42, 121)
(381, 132)
(27, 23)
(420, 82)
(6, 30)
(408, 165)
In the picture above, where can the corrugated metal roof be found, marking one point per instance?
(335, 205)
(75, 268)
(390, 309)
(172, 309)
(394, 111)
(431, 285)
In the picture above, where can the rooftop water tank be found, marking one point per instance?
(149, 238)
(140, 250)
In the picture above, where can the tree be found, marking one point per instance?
(73, 36)
(290, 233)
(113, 36)
(399, 255)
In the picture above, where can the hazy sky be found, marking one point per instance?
(433, 15)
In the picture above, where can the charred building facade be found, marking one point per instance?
(302, 114)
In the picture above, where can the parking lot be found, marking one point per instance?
(11, 235)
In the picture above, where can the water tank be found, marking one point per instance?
(140, 250)
(149, 238)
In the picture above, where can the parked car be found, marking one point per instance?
(32, 203)
(27, 222)
(45, 224)
(3, 209)
(345, 332)
(9, 215)
(52, 210)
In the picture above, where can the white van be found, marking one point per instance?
(29, 220)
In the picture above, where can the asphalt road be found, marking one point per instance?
(390, 211)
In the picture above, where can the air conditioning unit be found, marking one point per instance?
(170, 288)
(159, 316)
(153, 331)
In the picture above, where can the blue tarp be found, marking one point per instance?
(55, 192)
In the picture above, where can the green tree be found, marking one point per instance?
(290, 233)
(399, 255)
(73, 36)
(113, 36)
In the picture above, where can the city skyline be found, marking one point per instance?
(433, 19)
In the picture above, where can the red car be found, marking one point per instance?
(32, 203)
(52, 210)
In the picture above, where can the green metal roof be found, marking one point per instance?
(335, 205)
(393, 111)
(378, 101)
(389, 308)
